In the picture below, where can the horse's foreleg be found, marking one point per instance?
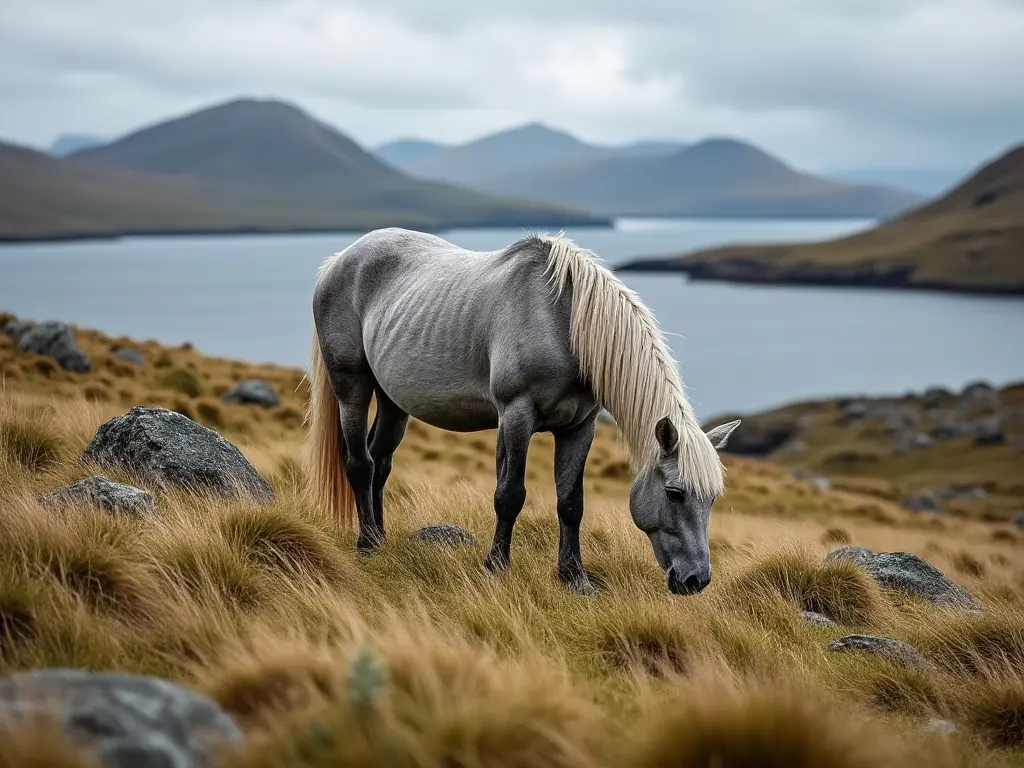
(354, 395)
(515, 428)
(571, 449)
(387, 432)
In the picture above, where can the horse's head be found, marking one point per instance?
(674, 518)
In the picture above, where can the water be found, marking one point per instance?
(741, 348)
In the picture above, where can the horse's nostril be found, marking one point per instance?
(692, 583)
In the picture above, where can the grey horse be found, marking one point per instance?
(536, 337)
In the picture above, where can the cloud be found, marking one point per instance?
(820, 82)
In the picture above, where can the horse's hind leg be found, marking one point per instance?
(385, 435)
(571, 449)
(515, 428)
(354, 392)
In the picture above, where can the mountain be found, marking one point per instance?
(716, 177)
(67, 143)
(969, 240)
(406, 153)
(929, 182)
(248, 165)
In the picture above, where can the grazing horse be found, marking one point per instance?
(536, 337)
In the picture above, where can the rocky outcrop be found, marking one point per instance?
(908, 573)
(252, 392)
(54, 339)
(167, 448)
(124, 721)
(102, 492)
(16, 328)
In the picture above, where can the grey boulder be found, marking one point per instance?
(129, 355)
(54, 339)
(125, 721)
(818, 619)
(908, 573)
(252, 392)
(16, 328)
(887, 648)
(166, 448)
(446, 534)
(102, 492)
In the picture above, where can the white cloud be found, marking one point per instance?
(820, 82)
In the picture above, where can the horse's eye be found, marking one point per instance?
(677, 495)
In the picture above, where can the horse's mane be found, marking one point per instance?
(624, 359)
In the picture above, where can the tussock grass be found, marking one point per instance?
(418, 656)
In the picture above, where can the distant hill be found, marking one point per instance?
(717, 177)
(246, 165)
(406, 153)
(970, 240)
(929, 182)
(67, 143)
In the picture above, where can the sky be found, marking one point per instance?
(821, 83)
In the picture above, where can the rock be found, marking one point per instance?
(989, 432)
(949, 424)
(922, 502)
(909, 573)
(934, 397)
(856, 555)
(888, 648)
(977, 392)
(940, 725)
(1019, 520)
(446, 534)
(968, 492)
(252, 392)
(820, 482)
(126, 721)
(898, 420)
(100, 491)
(16, 328)
(818, 618)
(54, 339)
(853, 411)
(132, 356)
(165, 447)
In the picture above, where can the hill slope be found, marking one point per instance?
(272, 152)
(404, 154)
(718, 177)
(67, 143)
(971, 239)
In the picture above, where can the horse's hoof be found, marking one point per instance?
(582, 587)
(496, 564)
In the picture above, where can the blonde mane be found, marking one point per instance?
(624, 359)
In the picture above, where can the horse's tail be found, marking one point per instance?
(329, 485)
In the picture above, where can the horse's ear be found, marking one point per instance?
(666, 435)
(719, 436)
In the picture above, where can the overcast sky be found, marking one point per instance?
(822, 83)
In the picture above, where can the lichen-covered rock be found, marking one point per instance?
(818, 619)
(102, 492)
(887, 648)
(167, 448)
(909, 573)
(252, 392)
(129, 355)
(446, 534)
(16, 327)
(922, 502)
(125, 721)
(55, 339)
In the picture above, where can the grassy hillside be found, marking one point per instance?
(242, 166)
(970, 239)
(269, 611)
(718, 177)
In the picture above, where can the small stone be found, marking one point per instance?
(129, 355)
(857, 555)
(854, 411)
(977, 392)
(821, 482)
(887, 648)
(940, 725)
(54, 339)
(100, 491)
(934, 397)
(446, 534)
(922, 502)
(989, 432)
(818, 618)
(898, 420)
(126, 721)
(252, 392)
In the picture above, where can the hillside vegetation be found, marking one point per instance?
(246, 165)
(970, 239)
(269, 611)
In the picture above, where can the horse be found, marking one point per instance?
(536, 337)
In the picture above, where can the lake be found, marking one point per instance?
(740, 348)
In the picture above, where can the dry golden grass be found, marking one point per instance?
(417, 656)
